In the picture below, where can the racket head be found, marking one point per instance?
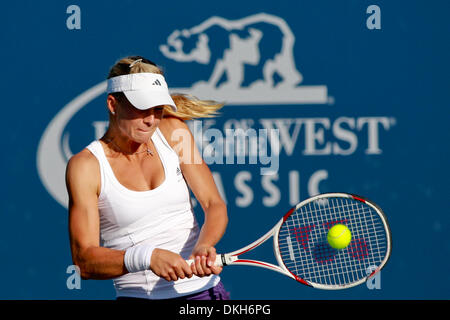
(302, 249)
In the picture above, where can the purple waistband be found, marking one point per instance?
(215, 293)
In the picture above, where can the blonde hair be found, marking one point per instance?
(188, 107)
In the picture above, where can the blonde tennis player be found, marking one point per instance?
(130, 213)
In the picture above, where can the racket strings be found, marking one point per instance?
(306, 253)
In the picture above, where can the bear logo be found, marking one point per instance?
(260, 45)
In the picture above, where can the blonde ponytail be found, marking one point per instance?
(189, 107)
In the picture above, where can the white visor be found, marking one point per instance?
(144, 90)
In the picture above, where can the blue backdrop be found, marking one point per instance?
(358, 109)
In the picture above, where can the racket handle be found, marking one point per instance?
(217, 263)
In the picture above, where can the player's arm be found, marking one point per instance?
(201, 182)
(83, 181)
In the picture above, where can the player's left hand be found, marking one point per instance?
(204, 258)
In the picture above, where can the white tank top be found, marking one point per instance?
(162, 216)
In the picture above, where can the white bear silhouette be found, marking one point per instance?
(242, 47)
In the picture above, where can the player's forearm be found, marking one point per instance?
(215, 224)
(100, 263)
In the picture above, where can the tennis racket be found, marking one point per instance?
(302, 250)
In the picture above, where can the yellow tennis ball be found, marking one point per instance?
(339, 236)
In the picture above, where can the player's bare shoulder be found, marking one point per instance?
(83, 170)
(175, 130)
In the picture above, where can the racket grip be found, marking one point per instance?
(217, 263)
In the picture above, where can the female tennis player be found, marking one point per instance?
(130, 213)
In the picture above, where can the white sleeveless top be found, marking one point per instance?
(162, 217)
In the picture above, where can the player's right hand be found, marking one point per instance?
(169, 265)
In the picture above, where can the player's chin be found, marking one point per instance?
(142, 136)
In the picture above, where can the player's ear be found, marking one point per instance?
(112, 103)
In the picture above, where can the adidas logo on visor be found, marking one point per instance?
(156, 83)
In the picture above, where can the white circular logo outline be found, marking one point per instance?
(53, 153)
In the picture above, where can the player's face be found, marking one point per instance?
(137, 125)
